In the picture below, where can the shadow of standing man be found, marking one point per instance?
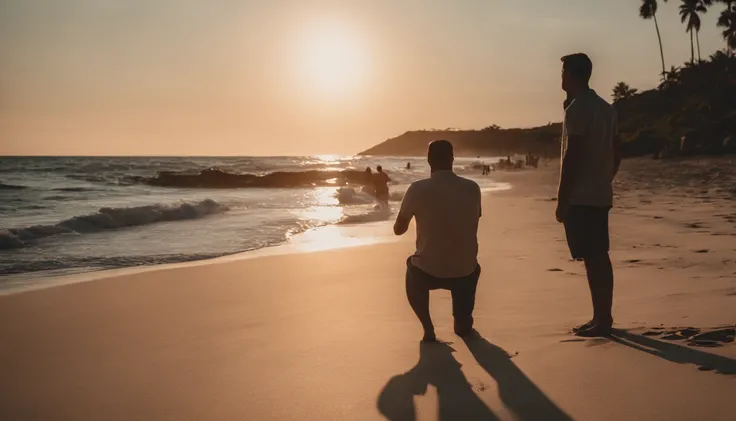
(517, 392)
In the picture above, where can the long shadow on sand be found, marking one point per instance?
(457, 400)
(436, 367)
(518, 393)
(676, 353)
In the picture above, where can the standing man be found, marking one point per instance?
(447, 208)
(380, 184)
(590, 160)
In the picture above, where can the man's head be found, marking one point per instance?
(576, 71)
(440, 155)
(379, 168)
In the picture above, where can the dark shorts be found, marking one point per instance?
(586, 229)
(419, 283)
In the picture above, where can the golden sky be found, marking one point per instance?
(277, 77)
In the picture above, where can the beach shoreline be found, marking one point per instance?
(68, 215)
(328, 237)
(298, 244)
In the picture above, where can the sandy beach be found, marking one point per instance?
(328, 335)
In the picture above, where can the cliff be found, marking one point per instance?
(492, 141)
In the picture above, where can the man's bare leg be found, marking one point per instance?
(418, 295)
(600, 280)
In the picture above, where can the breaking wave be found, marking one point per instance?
(110, 219)
(351, 196)
(378, 214)
(4, 186)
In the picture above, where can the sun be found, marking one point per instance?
(333, 59)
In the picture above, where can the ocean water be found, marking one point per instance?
(62, 215)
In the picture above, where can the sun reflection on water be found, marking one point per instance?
(327, 238)
(329, 159)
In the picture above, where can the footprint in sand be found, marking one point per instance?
(555, 270)
(717, 336)
(702, 251)
(696, 337)
(693, 225)
(480, 387)
(633, 261)
(680, 334)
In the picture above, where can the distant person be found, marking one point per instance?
(447, 208)
(590, 161)
(380, 185)
(368, 183)
(408, 165)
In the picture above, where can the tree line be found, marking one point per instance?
(690, 12)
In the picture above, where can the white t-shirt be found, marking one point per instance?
(593, 120)
(447, 208)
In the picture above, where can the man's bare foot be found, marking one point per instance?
(586, 325)
(596, 330)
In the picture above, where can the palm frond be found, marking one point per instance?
(648, 9)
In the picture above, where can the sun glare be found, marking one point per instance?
(333, 59)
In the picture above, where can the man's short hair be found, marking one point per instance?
(578, 65)
(440, 152)
(379, 168)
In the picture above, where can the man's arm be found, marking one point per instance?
(570, 168)
(576, 125)
(480, 201)
(616, 154)
(616, 147)
(405, 214)
(401, 226)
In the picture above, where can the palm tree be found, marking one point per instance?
(648, 10)
(671, 78)
(623, 91)
(727, 20)
(689, 10)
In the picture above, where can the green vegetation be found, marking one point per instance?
(623, 91)
(692, 112)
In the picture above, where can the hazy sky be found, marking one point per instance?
(277, 77)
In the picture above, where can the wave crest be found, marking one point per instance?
(378, 214)
(110, 219)
(350, 196)
(4, 186)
